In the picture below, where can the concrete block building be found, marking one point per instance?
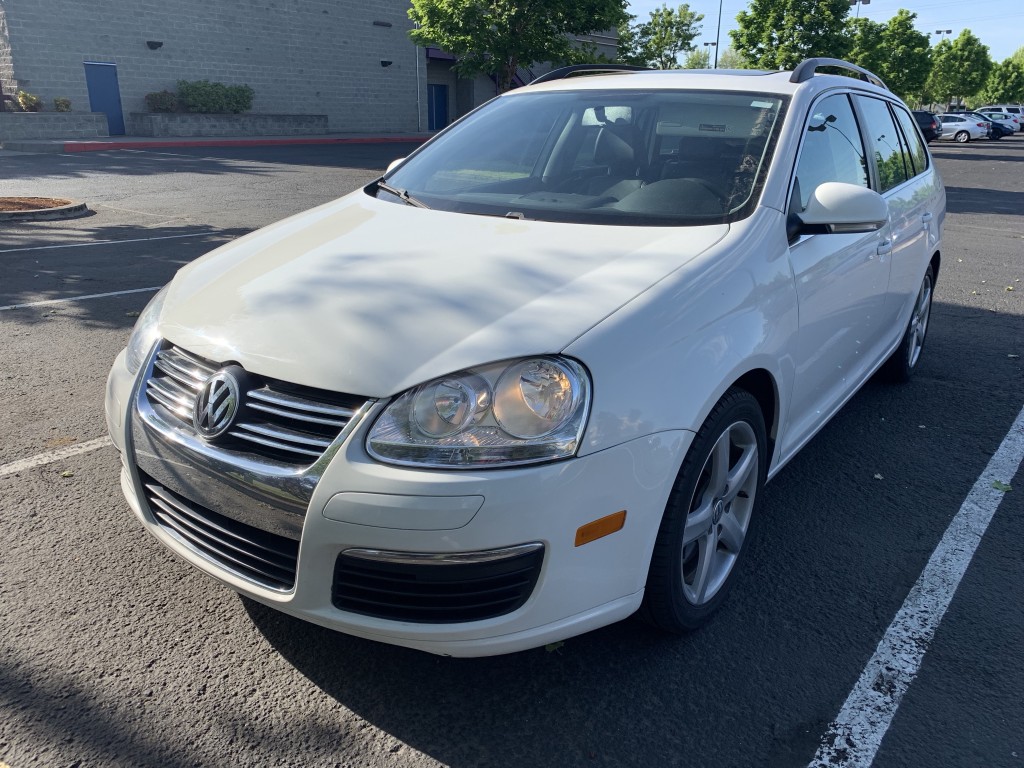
(351, 61)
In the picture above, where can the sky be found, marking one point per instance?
(999, 24)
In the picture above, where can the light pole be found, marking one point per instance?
(718, 34)
(715, 46)
(859, 3)
(942, 33)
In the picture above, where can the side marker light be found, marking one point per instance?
(601, 527)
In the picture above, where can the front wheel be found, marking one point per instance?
(900, 367)
(708, 519)
(962, 137)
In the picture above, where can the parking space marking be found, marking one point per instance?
(51, 456)
(79, 298)
(853, 739)
(106, 242)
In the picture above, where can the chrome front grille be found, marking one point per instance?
(283, 422)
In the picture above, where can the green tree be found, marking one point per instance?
(907, 56)
(658, 42)
(496, 37)
(960, 68)
(779, 34)
(698, 58)
(1005, 84)
(729, 59)
(866, 44)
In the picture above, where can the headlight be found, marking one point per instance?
(516, 412)
(145, 332)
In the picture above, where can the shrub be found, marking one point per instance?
(28, 102)
(61, 104)
(211, 98)
(161, 101)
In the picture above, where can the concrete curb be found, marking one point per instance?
(73, 210)
(102, 145)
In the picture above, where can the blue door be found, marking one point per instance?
(105, 95)
(437, 107)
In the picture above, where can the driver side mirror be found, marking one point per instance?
(836, 207)
(394, 164)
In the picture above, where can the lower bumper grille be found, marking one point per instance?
(265, 558)
(435, 589)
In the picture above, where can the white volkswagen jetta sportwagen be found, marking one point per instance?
(534, 378)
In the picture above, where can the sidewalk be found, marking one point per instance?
(147, 142)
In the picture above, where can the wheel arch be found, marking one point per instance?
(760, 383)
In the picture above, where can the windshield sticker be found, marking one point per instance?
(711, 127)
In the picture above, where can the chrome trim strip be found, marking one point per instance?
(286, 436)
(454, 558)
(275, 444)
(295, 415)
(283, 399)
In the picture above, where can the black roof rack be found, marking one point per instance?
(593, 69)
(806, 68)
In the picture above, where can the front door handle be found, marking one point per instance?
(926, 217)
(884, 248)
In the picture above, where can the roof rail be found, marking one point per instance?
(806, 68)
(593, 69)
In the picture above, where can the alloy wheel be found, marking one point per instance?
(719, 513)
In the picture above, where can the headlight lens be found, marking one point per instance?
(506, 414)
(145, 333)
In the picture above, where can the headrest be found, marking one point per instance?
(612, 147)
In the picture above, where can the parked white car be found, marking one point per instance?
(962, 128)
(1016, 110)
(534, 378)
(1009, 120)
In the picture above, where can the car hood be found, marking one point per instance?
(369, 297)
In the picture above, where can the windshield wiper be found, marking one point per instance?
(401, 194)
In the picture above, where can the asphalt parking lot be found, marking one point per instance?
(114, 653)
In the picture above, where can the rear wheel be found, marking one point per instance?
(962, 137)
(900, 367)
(709, 515)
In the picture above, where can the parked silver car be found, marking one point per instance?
(962, 129)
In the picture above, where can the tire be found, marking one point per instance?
(708, 519)
(901, 364)
(962, 137)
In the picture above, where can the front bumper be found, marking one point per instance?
(361, 504)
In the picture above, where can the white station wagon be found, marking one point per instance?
(533, 379)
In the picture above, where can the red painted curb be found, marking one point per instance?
(99, 146)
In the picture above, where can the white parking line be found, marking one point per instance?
(106, 242)
(78, 298)
(854, 738)
(51, 456)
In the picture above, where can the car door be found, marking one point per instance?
(841, 279)
(909, 185)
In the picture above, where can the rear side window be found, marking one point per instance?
(884, 142)
(918, 154)
(832, 150)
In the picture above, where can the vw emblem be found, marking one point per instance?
(216, 405)
(717, 510)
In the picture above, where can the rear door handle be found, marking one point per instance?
(926, 217)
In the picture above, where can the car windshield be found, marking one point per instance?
(654, 158)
